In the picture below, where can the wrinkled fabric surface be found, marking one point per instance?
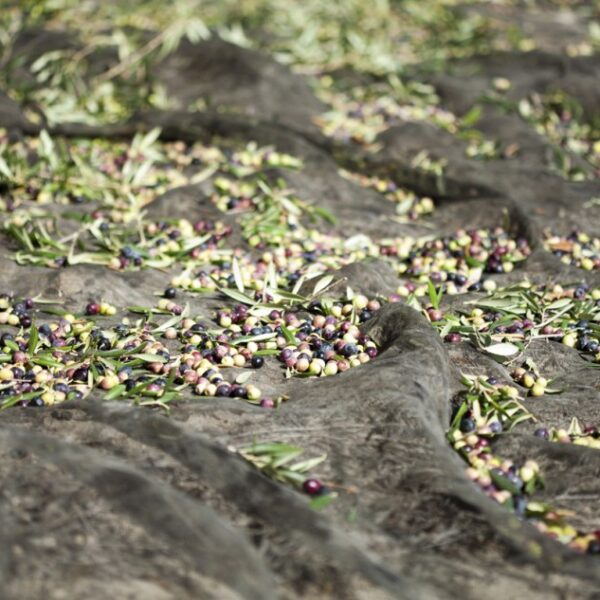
(102, 499)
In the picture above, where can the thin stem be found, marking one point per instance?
(134, 57)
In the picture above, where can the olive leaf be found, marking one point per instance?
(322, 284)
(503, 349)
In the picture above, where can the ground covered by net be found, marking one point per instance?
(299, 300)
